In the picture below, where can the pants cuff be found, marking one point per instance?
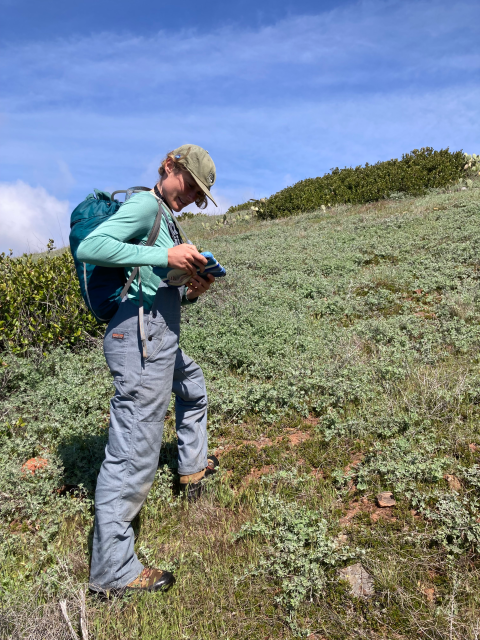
(135, 572)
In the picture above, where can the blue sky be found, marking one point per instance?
(94, 95)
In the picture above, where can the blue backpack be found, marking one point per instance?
(103, 288)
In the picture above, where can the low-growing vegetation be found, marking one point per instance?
(341, 358)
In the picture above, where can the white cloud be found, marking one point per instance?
(29, 216)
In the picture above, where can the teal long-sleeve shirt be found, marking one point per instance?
(108, 245)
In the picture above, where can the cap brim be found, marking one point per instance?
(203, 187)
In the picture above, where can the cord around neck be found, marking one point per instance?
(160, 195)
(181, 232)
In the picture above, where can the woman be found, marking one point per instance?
(144, 380)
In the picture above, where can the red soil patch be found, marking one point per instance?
(364, 506)
(383, 513)
(295, 437)
(15, 526)
(357, 458)
(352, 511)
(298, 437)
(258, 473)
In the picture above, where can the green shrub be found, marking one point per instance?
(406, 461)
(252, 206)
(40, 303)
(455, 519)
(188, 215)
(415, 173)
(298, 549)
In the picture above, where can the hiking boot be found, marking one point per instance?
(192, 484)
(148, 580)
(151, 580)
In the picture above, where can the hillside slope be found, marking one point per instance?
(341, 358)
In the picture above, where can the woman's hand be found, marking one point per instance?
(187, 258)
(198, 285)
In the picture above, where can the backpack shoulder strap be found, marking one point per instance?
(152, 238)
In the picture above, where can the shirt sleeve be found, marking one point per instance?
(108, 245)
(186, 301)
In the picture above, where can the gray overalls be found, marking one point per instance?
(143, 388)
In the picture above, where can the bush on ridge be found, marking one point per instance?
(414, 174)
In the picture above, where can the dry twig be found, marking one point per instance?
(63, 607)
(83, 616)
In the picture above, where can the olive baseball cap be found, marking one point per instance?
(199, 163)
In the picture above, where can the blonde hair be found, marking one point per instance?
(201, 201)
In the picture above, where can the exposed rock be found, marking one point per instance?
(385, 499)
(361, 582)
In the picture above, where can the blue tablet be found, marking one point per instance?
(179, 278)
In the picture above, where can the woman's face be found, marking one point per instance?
(178, 187)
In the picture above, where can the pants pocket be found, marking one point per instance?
(155, 332)
(115, 350)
